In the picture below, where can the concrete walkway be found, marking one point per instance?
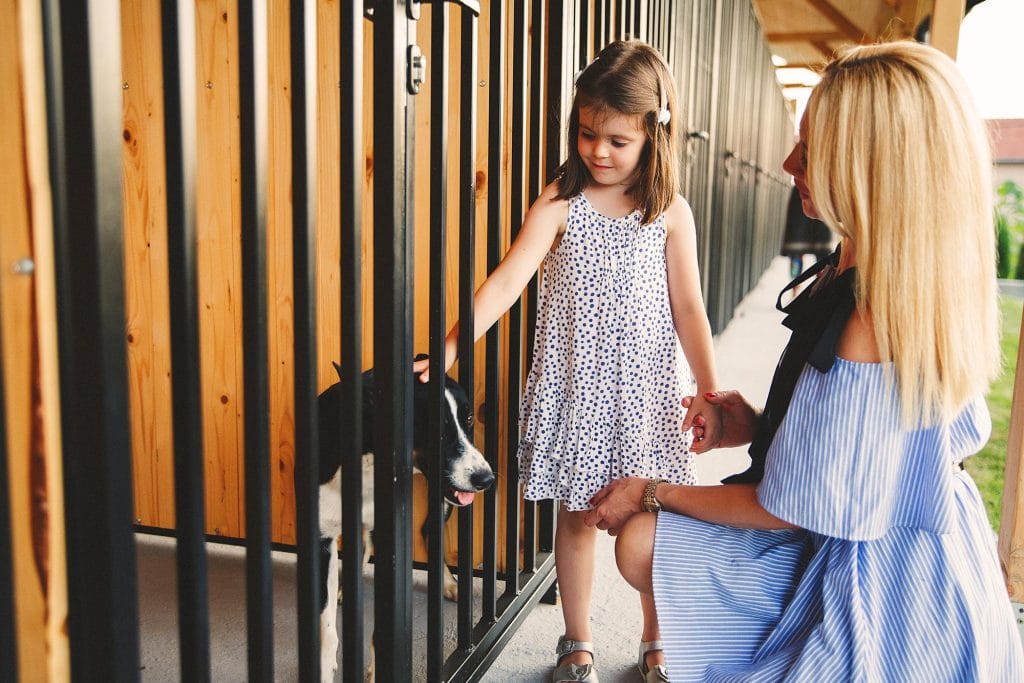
(747, 352)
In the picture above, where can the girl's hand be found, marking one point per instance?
(705, 419)
(616, 503)
(739, 419)
(421, 367)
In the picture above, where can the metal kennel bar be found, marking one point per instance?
(439, 96)
(517, 210)
(392, 248)
(83, 81)
(536, 181)
(302, 79)
(438, 242)
(350, 417)
(252, 100)
(467, 286)
(495, 186)
(177, 23)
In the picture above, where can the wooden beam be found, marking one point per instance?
(825, 49)
(839, 20)
(1011, 529)
(945, 27)
(811, 66)
(798, 37)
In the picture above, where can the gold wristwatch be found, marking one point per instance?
(649, 502)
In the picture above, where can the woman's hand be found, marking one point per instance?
(616, 503)
(739, 419)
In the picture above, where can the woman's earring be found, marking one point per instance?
(664, 116)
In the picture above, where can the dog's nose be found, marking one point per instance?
(481, 479)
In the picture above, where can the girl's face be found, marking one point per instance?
(610, 145)
(796, 165)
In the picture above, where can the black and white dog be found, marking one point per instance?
(461, 466)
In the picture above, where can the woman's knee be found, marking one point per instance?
(634, 551)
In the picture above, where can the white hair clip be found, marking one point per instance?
(576, 78)
(664, 116)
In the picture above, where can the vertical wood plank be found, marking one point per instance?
(218, 254)
(27, 315)
(280, 317)
(1011, 529)
(328, 200)
(16, 305)
(945, 26)
(145, 255)
(328, 211)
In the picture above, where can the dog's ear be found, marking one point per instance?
(337, 368)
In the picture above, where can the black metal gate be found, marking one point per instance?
(737, 131)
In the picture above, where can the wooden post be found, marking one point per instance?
(945, 27)
(1011, 530)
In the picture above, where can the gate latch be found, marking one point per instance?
(416, 68)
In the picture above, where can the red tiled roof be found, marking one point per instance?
(1007, 138)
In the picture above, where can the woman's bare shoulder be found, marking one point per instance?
(858, 340)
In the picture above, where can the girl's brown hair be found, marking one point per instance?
(630, 78)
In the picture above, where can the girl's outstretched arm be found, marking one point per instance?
(544, 221)
(690, 318)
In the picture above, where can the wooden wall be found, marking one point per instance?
(30, 392)
(218, 253)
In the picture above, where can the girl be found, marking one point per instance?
(620, 293)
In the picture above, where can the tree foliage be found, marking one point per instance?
(1010, 230)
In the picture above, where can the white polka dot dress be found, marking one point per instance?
(603, 397)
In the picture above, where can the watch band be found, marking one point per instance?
(649, 502)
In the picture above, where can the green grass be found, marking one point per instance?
(987, 466)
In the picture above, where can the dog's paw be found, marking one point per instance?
(451, 591)
(328, 654)
(328, 669)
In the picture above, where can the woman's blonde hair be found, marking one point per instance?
(630, 77)
(899, 163)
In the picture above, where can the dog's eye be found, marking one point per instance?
(469, 420)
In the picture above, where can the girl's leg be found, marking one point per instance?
(574, 565)
(634, 554)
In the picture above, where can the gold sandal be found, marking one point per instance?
(569, 672)
(655, 674)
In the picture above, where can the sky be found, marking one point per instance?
(991, 57)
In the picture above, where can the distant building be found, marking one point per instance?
(1008, 149)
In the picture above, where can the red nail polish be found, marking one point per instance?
(709, 394)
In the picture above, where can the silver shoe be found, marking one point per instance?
(569, 672)
(655, 674)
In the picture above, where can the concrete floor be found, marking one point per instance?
(746, 351)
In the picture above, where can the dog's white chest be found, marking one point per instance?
(330, 500)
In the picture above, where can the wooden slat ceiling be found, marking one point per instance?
(807, 33)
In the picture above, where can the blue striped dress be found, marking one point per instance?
(893, 575)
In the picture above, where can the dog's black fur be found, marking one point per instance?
(462, 467)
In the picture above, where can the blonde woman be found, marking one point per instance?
(856, 547)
